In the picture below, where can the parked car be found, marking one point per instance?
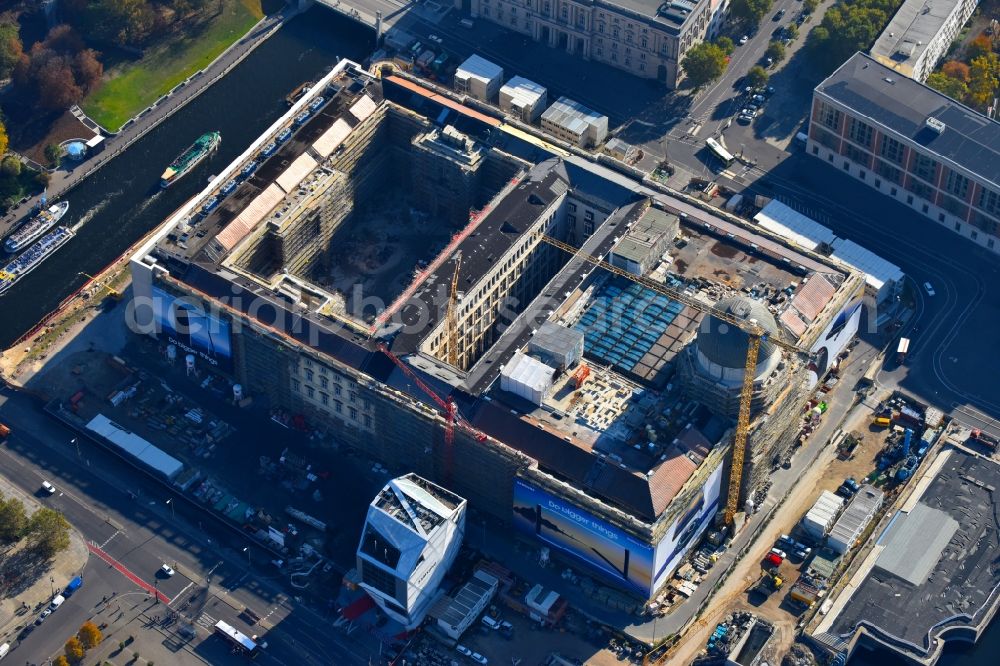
(929, 289)
(462, 650)
(743, 40)
(490, 622)
(778, 15)
(437, 40)
(779, 553)
(479, 659)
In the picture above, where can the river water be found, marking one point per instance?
(122, 201)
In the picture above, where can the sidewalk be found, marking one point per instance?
(66, 565)
(63, 180)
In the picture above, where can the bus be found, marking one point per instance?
(724, 156)
(239, 642)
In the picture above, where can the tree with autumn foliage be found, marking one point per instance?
(90, 635)
(74, 650)
(956, 69)
(58, 71)
(984, 79)
(978, 47)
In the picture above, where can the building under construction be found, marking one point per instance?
(423, 280)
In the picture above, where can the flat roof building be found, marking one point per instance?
(646, 240)
(930, 577)
(523, 98)
(479, 78)
(574, 123)
(856, 517)
(919, 35)
(911, 143)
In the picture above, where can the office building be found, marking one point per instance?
(911, 143)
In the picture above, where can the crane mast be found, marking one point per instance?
(755, 333)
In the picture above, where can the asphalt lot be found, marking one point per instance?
(214, 580)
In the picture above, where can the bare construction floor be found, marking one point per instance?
(723, 262)
(378, 251)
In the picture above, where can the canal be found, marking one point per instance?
(122, 201)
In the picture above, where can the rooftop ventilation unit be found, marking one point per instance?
(934, 125)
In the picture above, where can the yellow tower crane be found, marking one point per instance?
(451, 321)
(756, 335)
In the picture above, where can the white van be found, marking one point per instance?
(57, 602)
(490, 622)
(466, 23)
(4, 649)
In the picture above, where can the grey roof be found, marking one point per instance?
(646, 234)
(916, 542)
(572, 115)
(553, 338)
(901, 105)
(726, 345)
(857, 515)
(912, 29)
(477, 67)
(669, 14)
(964, 577)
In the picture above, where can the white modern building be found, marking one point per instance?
(479, 78)
(523, 98)
(574, 123)
(919, 35)
(412, 534)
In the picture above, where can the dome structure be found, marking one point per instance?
(722, 347)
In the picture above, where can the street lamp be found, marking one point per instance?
(171, 503)
(52, 585)
(156, 591)
(76, 442)
(247, 551)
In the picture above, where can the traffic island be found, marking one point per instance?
(30, 582)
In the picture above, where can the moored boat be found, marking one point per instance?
(31, 258)
(36, 225)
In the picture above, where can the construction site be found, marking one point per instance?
(610, 369)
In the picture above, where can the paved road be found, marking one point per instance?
(951, 363)
(71, 174)
(214, 578)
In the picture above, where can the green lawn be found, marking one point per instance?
(133, 87)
